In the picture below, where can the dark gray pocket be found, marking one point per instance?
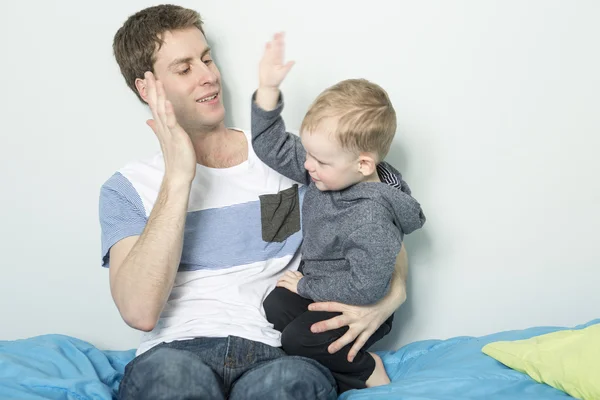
(280, 214)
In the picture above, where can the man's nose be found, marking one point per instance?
(205, 75)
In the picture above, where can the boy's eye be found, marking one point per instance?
(185, 71)
(207, 62)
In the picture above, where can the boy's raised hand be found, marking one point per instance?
(272, 69)
(271, 72)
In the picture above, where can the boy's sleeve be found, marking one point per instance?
(279, 149)
(371, 258)
(121, 213)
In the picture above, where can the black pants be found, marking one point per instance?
(289, 314)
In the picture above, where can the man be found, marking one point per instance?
(197, 236)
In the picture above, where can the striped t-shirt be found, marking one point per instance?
(242, 232)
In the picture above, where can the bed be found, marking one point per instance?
(64, 367)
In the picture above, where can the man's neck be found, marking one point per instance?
(220, 147)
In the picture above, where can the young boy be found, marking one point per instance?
(355, 212)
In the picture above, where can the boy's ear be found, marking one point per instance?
(367, 164)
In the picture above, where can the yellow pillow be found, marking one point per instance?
(567, 360)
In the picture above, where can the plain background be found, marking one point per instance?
(498, 128)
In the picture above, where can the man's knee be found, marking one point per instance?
(167, 373)
(291, 378)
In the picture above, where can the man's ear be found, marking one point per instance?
(140, 85)
(367, 163)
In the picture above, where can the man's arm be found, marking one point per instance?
(276, 147)
(143, 268)
(363, 321)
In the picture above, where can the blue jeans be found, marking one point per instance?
(220, 368)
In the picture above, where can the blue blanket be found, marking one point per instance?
(457, 369)
(59, 367)
(62, 367)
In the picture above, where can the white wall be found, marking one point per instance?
(499, 123)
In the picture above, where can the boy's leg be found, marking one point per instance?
(166, 373)
(297, 339)
(285, 378)
(282, 307)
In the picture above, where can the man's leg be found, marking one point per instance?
(298, 340)
(285, 378)
(166, 373)
(282, 307)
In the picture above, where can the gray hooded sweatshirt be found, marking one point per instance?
(351, 237)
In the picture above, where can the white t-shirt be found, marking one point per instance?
(229, 263)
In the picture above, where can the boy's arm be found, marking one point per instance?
(371, 255)
(277, 148)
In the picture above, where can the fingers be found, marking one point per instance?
(358, 344)
(273, 68)
(286, 68)
(285, 279)
(275, 49)
(278, 47)
(330, 306)
(329, 324)
(160, 103)
(290, 280)
(150, 89)
(286, 285)
(152, 124)
(289, 277)
(151, 96)
(170, 115)
(347, 338)
(162, 110)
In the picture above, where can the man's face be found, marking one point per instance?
(191, 79)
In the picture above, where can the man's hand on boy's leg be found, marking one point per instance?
(271, 72)
(290, 280)
(363, 321)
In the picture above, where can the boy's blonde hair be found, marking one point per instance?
(366, 119)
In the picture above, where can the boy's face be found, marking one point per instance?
(191, 79)
(330, 166)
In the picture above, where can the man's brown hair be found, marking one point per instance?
(136, 43)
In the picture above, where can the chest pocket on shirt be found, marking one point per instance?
(280, 214)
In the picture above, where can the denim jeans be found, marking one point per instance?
(220, 368)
